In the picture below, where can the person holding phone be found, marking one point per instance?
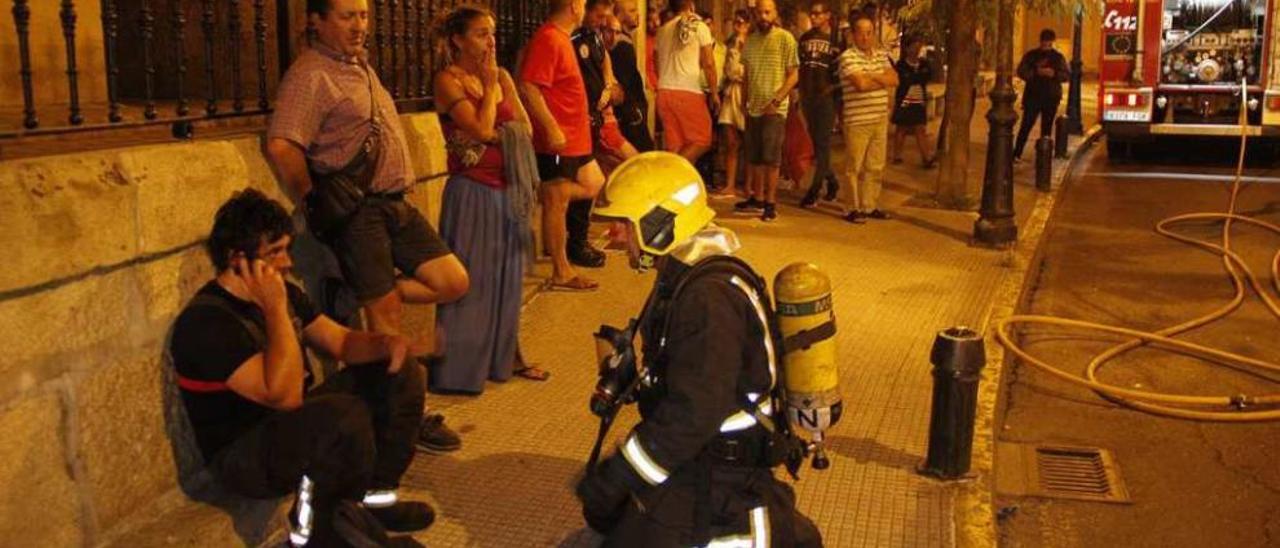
(263, 423)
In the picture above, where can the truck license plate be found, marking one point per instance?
(1126, 116)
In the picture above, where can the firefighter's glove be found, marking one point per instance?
(603, 499)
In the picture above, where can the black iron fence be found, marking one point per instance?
(159, 57)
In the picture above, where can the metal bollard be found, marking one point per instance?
(1061, 131)
(958, 357)
(1044, 163)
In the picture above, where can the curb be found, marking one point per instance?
(974, 511)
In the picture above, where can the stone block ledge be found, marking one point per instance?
(104, 249)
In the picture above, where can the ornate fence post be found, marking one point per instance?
(179, 21)
(423, 44)
(207, 22)
(22, 20)
(68, 15)
(393, 7)
(260, 36)
(233, 27)
(148, 61)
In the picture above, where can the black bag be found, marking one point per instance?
(335, 197)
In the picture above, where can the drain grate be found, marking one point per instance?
(1059, 471)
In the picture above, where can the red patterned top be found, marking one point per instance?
(485, 165)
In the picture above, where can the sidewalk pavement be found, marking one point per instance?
(896, 283)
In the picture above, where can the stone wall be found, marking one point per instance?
(103, 249)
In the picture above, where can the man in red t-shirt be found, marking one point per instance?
(556, 98)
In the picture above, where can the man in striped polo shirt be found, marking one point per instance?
(866, 75)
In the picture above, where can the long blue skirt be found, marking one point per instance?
(481, 329)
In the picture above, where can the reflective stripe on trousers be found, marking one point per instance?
(758, 538)
(301, 531)
(642, 463)
(380, 498)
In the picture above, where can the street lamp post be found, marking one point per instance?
(1074, 123)
(995, 226)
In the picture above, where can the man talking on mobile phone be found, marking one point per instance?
(263, 425)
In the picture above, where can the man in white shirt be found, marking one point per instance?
(685, 55)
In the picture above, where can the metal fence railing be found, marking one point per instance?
(176, 60)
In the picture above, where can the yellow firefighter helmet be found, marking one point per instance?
(662, 195)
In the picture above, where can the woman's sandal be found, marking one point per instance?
(531, 372)
(576, 283)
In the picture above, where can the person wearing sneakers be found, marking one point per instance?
(330, 107)
(867, 75)
(555, 95)
(263, 424)
(818, 50)
(772, 62)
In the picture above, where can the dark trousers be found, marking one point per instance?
(667, 519)
(578, 221)
(1045, 110)
(820, 114)
(638, 133)
(353, 433)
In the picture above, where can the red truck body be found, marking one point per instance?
(1177, 68)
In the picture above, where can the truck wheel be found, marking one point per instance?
(1118, 152)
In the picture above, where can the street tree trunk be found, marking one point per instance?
(954, 190)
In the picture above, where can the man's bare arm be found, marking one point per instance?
(537, 107)
(707, 60)
(793, 78)
(290, 162)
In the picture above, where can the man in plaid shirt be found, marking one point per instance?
(327, 104)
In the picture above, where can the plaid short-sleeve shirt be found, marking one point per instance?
(323, 105)
(768, 57)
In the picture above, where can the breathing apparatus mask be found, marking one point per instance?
(616, 359)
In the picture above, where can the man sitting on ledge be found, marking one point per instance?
(263, 424)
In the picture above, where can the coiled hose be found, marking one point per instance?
(1231, 408)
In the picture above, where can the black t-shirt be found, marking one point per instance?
(589, 47)
(817, 62)
(209, 342)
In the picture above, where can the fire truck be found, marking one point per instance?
(1176, 68)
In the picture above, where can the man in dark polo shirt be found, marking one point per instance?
(328, 102)
(556, 98)
(263, 425)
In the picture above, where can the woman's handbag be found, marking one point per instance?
(336, 196)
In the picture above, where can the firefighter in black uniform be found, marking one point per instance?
(697, 470)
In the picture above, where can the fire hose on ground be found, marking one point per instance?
(1230, 408)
